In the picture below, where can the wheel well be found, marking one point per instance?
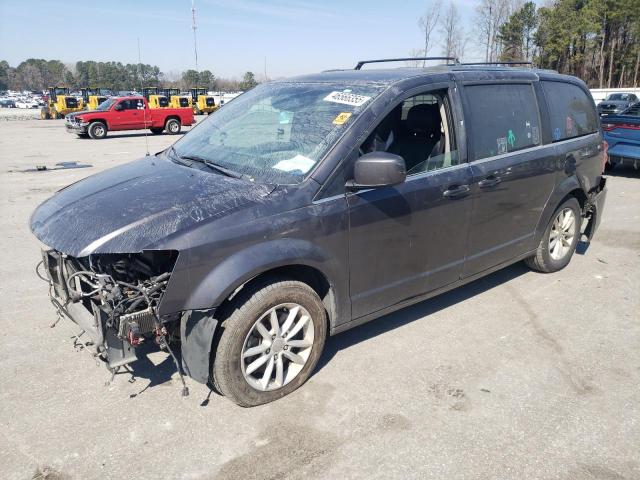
(302, 273)
(175, 117)
(94, 120)
(579, 195)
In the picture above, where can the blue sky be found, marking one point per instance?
(234, 36)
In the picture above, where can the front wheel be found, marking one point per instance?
(559, 240)
(271, 343)
(97, 130)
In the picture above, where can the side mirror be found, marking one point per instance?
(118, 107)
(378, 169)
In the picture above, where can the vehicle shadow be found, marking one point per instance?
(144, 369)
(418, 311)
(133, 135)
(623, 171)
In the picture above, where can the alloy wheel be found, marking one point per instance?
(562, 233)
(277, 347)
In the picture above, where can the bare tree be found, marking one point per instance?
(428, 23)
(491, 14)
(415, 52)
(452, 35)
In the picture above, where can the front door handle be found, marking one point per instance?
(490, 181)
(456, 191)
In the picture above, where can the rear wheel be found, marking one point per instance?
(44, 114)
(271, 343)
(172, 126)
(559, 240)
(97, 130)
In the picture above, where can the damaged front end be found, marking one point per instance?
(114, 299)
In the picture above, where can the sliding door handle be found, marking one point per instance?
(490, 181)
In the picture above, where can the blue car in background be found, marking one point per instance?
(622, 133)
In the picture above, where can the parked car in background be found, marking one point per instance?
(6, 103)
(27, 103)
(616, 103)
(311, 205)
(127, 113)
(622, 133)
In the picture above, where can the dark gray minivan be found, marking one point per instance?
(311, 205)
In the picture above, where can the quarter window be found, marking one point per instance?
(571, 110)
(502, 118)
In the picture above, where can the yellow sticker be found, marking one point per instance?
(341, 118)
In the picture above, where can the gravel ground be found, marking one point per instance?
(516, 376)
(13, 114)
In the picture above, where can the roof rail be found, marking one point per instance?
(497, 63)
(384, 60)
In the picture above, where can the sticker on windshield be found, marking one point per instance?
(502, 145)
(299, 162)
(347, 98)
(284, 117)
(341, 118)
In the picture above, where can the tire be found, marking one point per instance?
(609, 166)
(44, 114)
(551, 256)
(196, 110)
(232, 372)
(172, 126)
(156, 131)
(97, 130)
(58, 115)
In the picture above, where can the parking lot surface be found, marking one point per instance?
(519, 375)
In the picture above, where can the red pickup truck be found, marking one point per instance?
(127, 113)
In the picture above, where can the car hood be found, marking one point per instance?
(129, 208)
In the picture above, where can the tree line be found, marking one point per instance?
(596, 40)
(39, 74)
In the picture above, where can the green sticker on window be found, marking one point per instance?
(511, 138)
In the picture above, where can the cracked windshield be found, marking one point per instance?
(276, 133)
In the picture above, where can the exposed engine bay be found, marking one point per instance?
(114, 298)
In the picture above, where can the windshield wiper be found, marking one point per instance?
(212, 165)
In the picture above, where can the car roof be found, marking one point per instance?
(388, 76)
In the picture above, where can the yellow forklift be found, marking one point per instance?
(155, 98)
(59, 104)
(202, 103)
(92, 97)
(175, 99)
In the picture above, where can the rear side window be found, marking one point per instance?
(502, 118)
(571, 110)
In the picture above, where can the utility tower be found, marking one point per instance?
(193, 26)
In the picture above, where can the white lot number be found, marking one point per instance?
(346, 98)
